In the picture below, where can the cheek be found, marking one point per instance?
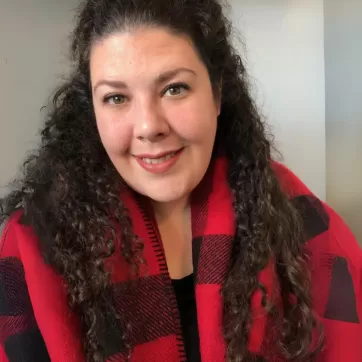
(196, 122)
(116, 136)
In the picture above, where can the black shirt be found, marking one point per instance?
(185, 295)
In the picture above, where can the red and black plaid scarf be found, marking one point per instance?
(36, 324)
(152, 310)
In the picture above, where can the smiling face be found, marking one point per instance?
(155, 109)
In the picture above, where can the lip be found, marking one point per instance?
(157, 155)
(159, 168)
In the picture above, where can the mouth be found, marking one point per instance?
(159, 163)
(158, 160)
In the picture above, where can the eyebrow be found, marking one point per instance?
(161, 78)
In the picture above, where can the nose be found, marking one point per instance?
(150, 122)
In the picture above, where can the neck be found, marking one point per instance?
(172, 209)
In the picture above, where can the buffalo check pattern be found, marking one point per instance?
(37, 326)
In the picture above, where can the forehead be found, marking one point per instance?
(144, 51)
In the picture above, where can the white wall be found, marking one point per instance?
(33, 47)
(343, 49)
(285, 56)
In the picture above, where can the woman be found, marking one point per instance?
(152, 224)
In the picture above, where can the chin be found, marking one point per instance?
(165, 197)
(166, 193)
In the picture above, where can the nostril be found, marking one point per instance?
(155, 136)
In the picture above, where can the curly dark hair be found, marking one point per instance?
(69, 190)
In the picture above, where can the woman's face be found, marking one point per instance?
(155, 109)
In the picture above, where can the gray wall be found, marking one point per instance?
(343, 64)
(285, 57)
(33, 35)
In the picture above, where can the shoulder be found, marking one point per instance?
(288, 181)
(15, 240)
(8, 235)
(11, 265)
(19, 327)
(18, 242)
(335, 255)
(322, 223)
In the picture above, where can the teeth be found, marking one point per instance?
(155, 161)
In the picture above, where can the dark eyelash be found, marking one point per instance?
(107, 98)
(174, 85)
(177, 85)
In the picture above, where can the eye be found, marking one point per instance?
(115, 99)
(176, 89)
